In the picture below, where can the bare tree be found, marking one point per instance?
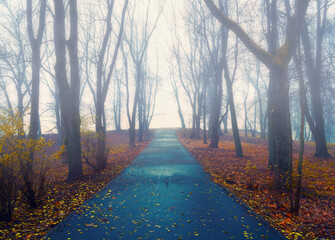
(278, 64)
(192, 66)
(258, 86)
(314, 66)
(176, 95)
(35, 44)
(68, 92)
(117, 104)
(137, 42)
(229, 84)
(175, 71)
(295, 201)
(104, 76)
(13, 56)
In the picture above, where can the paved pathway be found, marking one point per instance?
(163, 194)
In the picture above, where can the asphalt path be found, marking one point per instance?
(163, 194)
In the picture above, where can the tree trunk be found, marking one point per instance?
(278, 65)
(101, 136)
(245, 120)
(132, 120)
(198, 119)
(237, 140)
(204, 120)
(262, 123)
(60, 73)
(74, 150)
(216, 109)
(281, 120)
(36, 64)
(314, 74)
(296, 206)
(272, 40)
(271, 124)
(225, 125)
(27, 167)
(140, 116)
(182, 121)
(180, 113)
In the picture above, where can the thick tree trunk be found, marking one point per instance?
(281, 120)
(60, 74)
(35, 93)
(75, 161)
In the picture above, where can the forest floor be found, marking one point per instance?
(250, 180)
(62, 198)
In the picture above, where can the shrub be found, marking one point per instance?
(89, 146)
(23, 165)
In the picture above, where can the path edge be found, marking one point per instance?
(237, 199)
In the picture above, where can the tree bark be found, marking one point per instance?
(216, 109)
(60, 74)
(75, 161)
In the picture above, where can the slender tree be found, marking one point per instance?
(14, 59)
(137, 42)
(295, 202)
(35, 43)
(314, 66)
(68, 92)
(103, 82)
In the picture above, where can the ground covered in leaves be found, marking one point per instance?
(63, 198)
(250, 180)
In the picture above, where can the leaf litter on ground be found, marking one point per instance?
(250, 180)
(62, 198)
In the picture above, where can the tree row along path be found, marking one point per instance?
(163, 194)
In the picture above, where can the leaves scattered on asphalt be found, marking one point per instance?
(251, 181)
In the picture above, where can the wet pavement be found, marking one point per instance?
(163, 194)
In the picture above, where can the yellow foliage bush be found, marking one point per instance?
(24, 164)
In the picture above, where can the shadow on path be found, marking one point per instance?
(163, 194)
